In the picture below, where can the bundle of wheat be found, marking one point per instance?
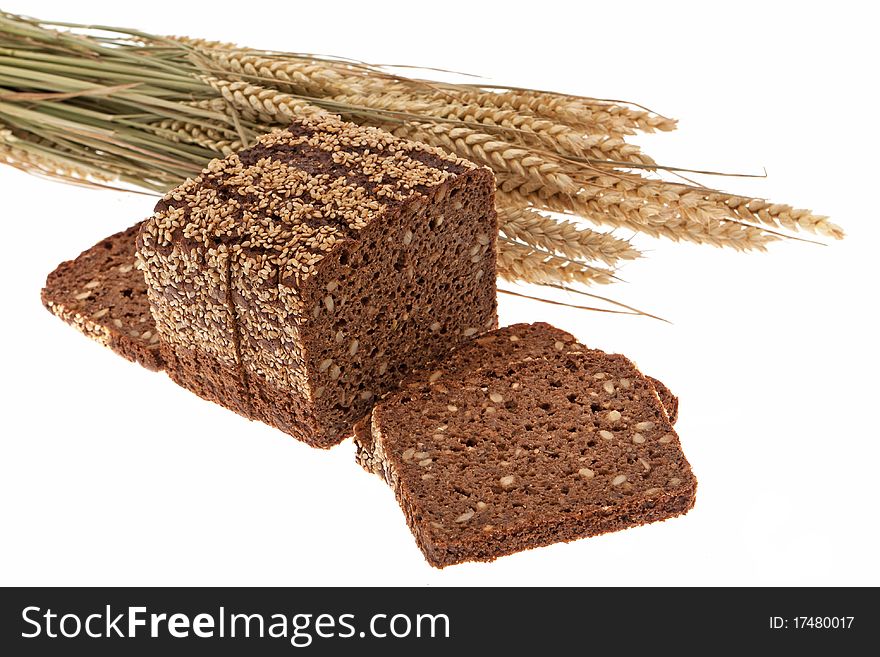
(94, 104)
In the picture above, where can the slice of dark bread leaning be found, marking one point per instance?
(102, 294)
(518, 455)
(507, 344)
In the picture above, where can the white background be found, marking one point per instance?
(113, 475)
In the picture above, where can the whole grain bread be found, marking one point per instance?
(518, 455)
(102, 294)
(504, 345)
(299, 280)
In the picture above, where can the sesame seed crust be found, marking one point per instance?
(294, 195)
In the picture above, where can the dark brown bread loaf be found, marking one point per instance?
(300, 279)
(504, 345)
(669, 400)
(102, 294)
(520, 455)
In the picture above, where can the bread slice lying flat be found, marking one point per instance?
(490, 461)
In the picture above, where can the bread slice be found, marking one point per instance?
(518, 455)
(507, 344)
(102, 294)
(300, 279)
(667, 398)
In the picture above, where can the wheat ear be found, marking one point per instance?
(489, 150)
(219, 139)
(594, 117)
(648, 208)
(562, 236)
(520, 262)
(265, 105)
(759, 211)
(304, 78)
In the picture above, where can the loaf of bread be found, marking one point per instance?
(299, 280)
(504, 345)
(102, 294)
(518, 438)
(513, 456)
